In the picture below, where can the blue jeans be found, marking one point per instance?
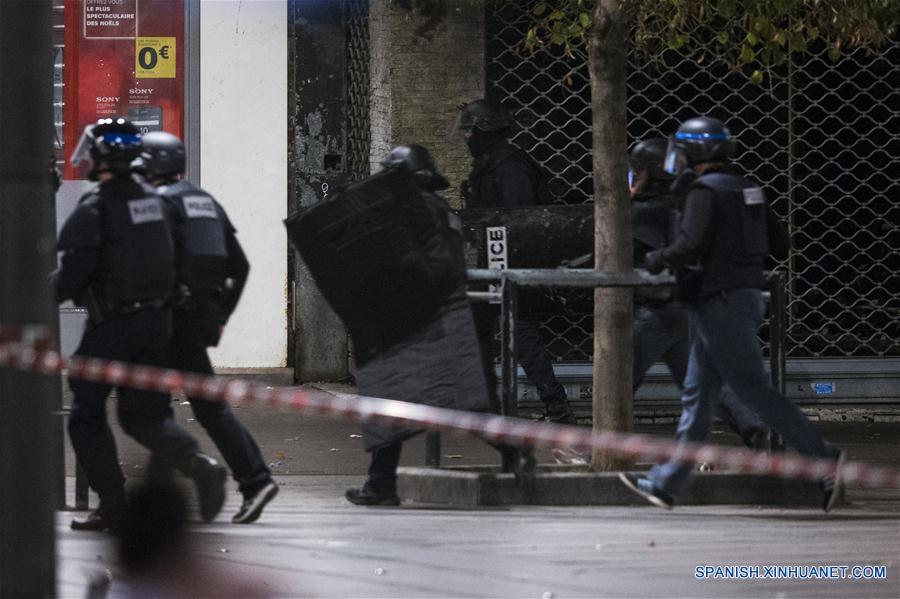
(724, 350)
(662, 333)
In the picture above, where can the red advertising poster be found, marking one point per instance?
(123, 58)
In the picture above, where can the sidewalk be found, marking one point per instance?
(311, 543)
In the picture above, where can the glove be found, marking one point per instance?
(654, 262)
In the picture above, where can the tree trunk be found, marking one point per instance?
(612, 367)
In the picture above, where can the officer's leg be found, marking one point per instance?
(659, 334)
(233, 440)
(485, 317)
(381, 484)
(538, 367)
(730, 329)
(702, 386)
(147, 417)
(92, 439)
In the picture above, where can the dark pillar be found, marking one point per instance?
(27, 238)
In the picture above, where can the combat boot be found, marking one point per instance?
(209, 477)
(107, 516)
(557, 409)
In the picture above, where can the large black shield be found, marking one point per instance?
(364, 249)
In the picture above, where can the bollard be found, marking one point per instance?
(433, 449)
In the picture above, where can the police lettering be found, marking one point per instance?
(145, 211)
(199, 207)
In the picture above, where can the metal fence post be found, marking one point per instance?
(509, 313)
(433, 449)
(778, 329)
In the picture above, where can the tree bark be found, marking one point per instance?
(613, 352)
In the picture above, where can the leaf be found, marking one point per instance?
(752, 38)
(834, 53)
(726, 8)
(756, 77)
(585, 19)
(556, 15)
(747, 54)
(540, 9)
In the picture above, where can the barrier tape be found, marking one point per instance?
(22, 349)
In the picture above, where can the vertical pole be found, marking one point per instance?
(509, 314)
(433, 449)
(27, 255)
(777, 329)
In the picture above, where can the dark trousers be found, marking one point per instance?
(661, 332)
(235, 443)
(140, 338)
(531, 353)
(383, 469)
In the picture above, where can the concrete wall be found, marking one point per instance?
(423, 65)
(243, 162)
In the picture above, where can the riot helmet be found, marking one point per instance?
(417, 159)
(163, 155)
(701, 139)
(485, 115)
(114, 142)
(648, 154)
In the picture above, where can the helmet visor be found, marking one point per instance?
(676, 158)
(461, 127)
(82, 152)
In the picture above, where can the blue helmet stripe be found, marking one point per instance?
(125, 139)
(686, 135)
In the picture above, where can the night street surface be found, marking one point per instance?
(311, 543)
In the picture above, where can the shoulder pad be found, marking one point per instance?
(83, 228)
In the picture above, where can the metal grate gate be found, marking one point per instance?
(821, 136)
(356, 20)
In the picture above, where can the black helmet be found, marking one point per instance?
(485, 115)
(417, 159)
(163, 154)
(650, 154)
(701, 139)
(114, 141)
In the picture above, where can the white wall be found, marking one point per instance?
(243, 162)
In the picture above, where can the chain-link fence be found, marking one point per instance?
(822, 137)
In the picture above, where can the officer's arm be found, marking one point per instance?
(694, 232)
(79, 241)
(236, 269)
(779, 240)
(76, 271)
(516, 184)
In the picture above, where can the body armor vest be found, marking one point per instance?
(486, 180)
(740, 241)
(137, 254)
(203, 224)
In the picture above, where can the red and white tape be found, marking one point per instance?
(24, 351)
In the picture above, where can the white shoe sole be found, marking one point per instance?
(648, 496)
(265, 495)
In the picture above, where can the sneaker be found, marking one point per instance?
(833, 486)
(558, 413)
(254, 503)
(209, 476)
(643, 487)
(107, 516)
(366, 497)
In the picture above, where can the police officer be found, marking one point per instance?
(503, 176)
(212, 277)
(436, 363)
(118, 260)
(724, 235)
(660, 329)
